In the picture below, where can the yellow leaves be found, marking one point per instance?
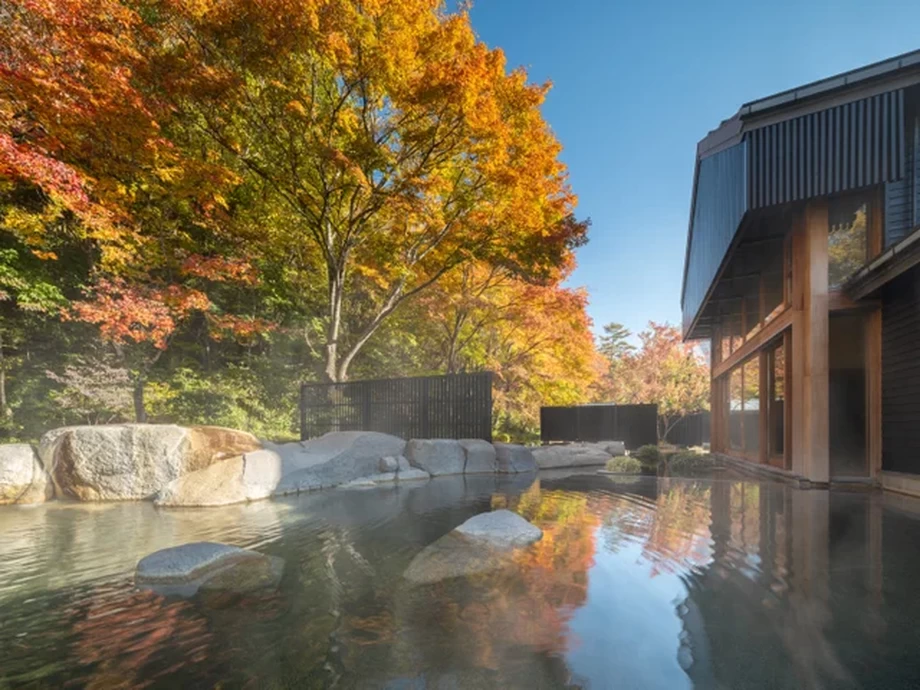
(296, 107)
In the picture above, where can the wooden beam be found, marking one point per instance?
(811, 455)
(766, 334)
(838, 300)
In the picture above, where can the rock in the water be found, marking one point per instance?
(480, 456)
(569, 455)
(185, 569)
(412, 475)
(511, 459)
(389, 464)
(437, 456)
(482, 544)
(249, 477)
(333, 459)
(133, 461)
(22, 477)
(501, 528)
(403, 464)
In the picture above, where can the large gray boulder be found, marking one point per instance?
(613, 448)
(336, 458)
(248, 477)
(186, 569)
(512, 459)
(133, 461)
(483, 544)
(22, 477)
(437, 456)
(569, 455)
(480, 456)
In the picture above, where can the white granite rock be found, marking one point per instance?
(133, 461)
(569, 455)
(437, 456)
(249, 477)
(333, 459)
(501, 528)
(480, 456)
(22, 477)
(183, 570)
(512, 459)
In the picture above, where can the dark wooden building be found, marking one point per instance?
(803, 270)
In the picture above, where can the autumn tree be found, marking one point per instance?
(228, 202)
(395, 144)
(665, 371)
(536, 338)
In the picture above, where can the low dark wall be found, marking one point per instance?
(635, 425)
(692, 430)
(901, 373)
(453, 406)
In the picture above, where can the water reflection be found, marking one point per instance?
(726, 583)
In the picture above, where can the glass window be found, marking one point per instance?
(752, 316)
(777, 400)
(731, 334)
(751, 402)
(847, 243)
(735, 411)
(773, 287)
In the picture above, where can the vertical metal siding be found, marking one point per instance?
(719, 203)
(901, 374)
(846, 147)
(902, 197)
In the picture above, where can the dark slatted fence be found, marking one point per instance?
(635, 425)
(692, 430)
(454, 406)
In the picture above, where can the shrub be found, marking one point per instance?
(648, 455)
(689, 463)
(624, 465)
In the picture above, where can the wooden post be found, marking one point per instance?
(715, 356)
(874, 391)
(810, 457)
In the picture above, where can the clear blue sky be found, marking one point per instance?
(638, 84)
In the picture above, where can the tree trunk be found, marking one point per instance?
(336, 278)
(140, 411)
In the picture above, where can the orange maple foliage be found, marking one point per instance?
(391, 139)
(127, 313)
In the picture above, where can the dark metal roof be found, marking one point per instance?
(822, 87)
(823, 137)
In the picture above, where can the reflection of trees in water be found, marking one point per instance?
(500, 628)
(130, 639)
(672, 529)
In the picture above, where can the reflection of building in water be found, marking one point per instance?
(792, 592)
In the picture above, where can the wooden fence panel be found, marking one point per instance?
(635, 425)
(453, 406)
